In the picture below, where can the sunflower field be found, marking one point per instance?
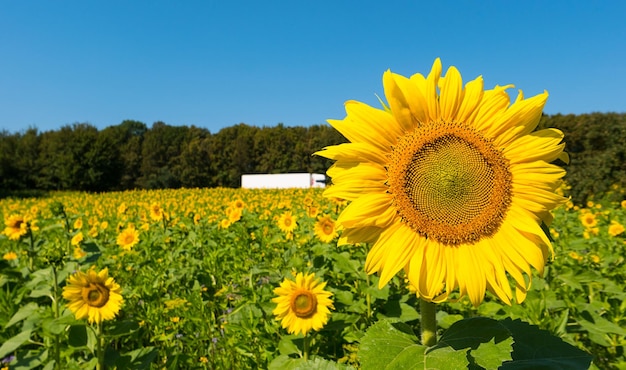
(197, 270)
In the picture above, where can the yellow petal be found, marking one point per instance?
(353, 152)
(397, 102)
(541, 145)
(472, 96)
(451, 94)
(368, 210)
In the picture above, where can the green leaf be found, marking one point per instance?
(404, 312)
(14, 343)
(393, 345)
(384, 341)
(537, 349)
(445, 320)
(22, 313)
(77, 336)
(122, 328)
(598, 327)
(288, 345)
(491, 355)
(284, 362)
(138, 359)
(470, 333)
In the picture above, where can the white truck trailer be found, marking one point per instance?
(283, 180)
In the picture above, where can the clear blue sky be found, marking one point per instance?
(215, 64)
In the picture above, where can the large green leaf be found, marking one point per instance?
(393, 345)
(488, 342)
(537, 349)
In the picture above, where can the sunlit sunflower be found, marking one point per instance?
(225, 223)
(234, 214)
(615, 228)
(77, 239)
(588, 219)
(128, 238)
(287, 222)
(156, 212)
(78, 224)
(312, 210)
(238, 204)
(10, 256)
(302, 305)
(325, 229)
(16, 227)
(93, 295)
(79, 253)
(450, 183)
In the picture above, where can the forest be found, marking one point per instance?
(132, 155)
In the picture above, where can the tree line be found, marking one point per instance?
(133, 156)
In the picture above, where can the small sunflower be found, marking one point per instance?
(238, 204)
(78, 224)
(287, 222)
(10, 256)
(588, 219)
(325, 229)
(128, 238)
(16, 227)
(77, 239)
(93, 295)
(156, 212)
(450, 183)
(615, 228)
(302, 305)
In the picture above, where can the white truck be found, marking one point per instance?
(283, 180)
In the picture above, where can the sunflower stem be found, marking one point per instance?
(57, 340)
(306, 346)
(100, 347)
(368, 298)
(428, 323)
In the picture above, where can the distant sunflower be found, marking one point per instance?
(325, 229)
(448, 182)
(79, 253)
(238, 204)
(615, 228)
(302, 305)
(588, 219)
(77, 239)
(128, 238)
(78, 224)
(10, 256)
(156, 212)
(94, 296)
(16, 227)
(287, 222)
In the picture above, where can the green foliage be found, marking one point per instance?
(198, 294)
(474, 343)
(595, 144)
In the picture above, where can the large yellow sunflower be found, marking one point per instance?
(449, 183)
(302, 305)
(93, 295)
